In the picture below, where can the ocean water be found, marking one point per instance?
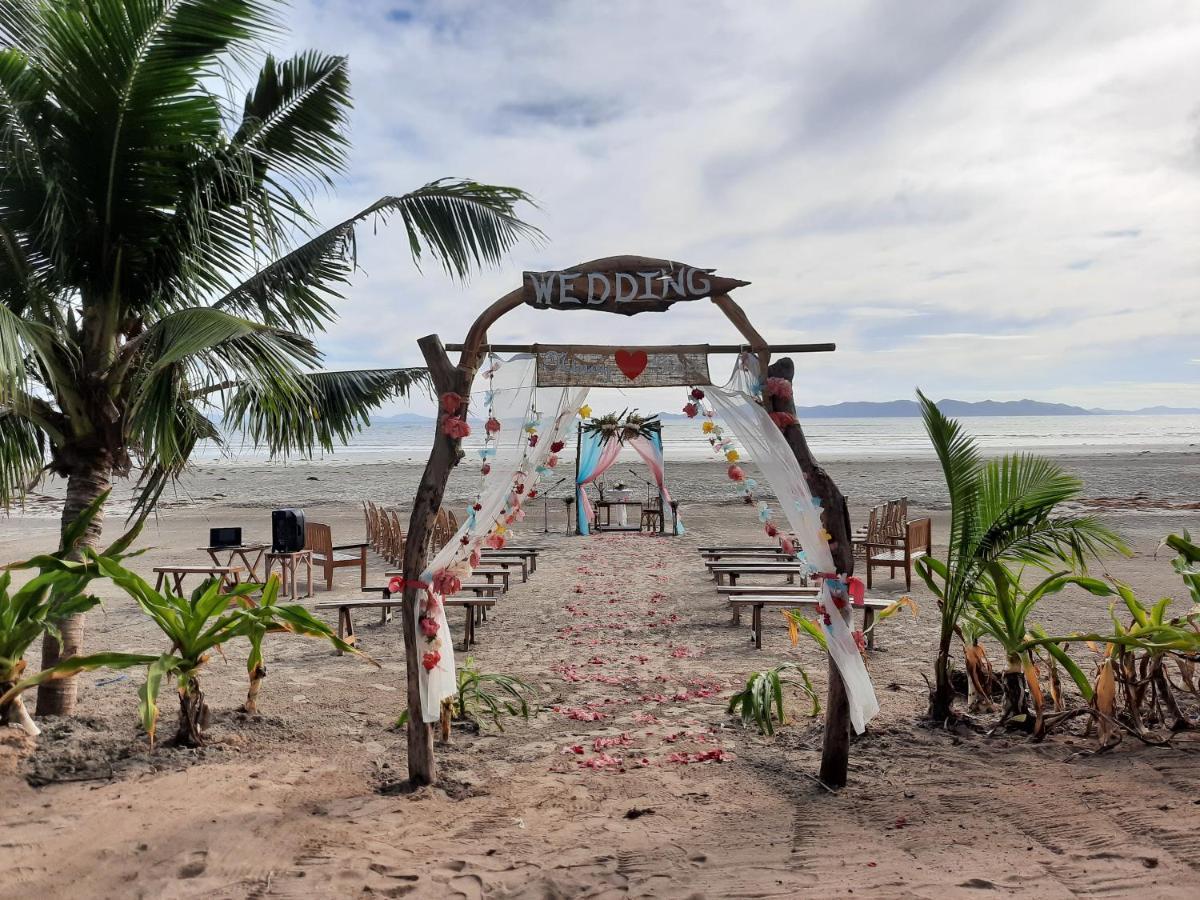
(833, 439)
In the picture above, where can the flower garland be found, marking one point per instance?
(841, 589)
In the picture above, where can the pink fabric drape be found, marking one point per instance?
(650, 454)
(608, 455)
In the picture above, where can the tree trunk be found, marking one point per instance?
(1014, 692)
(84, 485)
(444, 456)
(835, 515)
(256, 680)
(941, 697)
(193, 715)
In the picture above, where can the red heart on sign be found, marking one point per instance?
(632, 363)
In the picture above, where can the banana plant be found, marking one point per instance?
(490, 695)
(196, 626)
(56, 593)
(760, 703)
(1000, 608)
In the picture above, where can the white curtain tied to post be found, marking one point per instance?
(737, 404)
(510, 395)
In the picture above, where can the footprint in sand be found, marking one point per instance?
(195, 866)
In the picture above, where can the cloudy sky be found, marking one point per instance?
(985, 199)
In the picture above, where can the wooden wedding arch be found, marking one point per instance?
(626, 285)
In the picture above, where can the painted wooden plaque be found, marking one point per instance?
(624, 284)
(564, 366)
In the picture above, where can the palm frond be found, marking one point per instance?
(331, 408)
(22, 455)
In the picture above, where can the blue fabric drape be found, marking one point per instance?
(589, 455)
(656, 440)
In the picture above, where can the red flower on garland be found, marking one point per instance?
(860, 641)
(451, 403)
(396, 585)
(736, 473)
(779, 387)
(691, 410)
(455, 427)
(532, 494)
(697, 394)
(771, 530)
(557, 446)
(485, 468)
(446, 583)
(519, 488)
(430, 660)
(783, 420)
(492, 425)
(464, 540)
(429, 627)
(533, 439)
(477, 507)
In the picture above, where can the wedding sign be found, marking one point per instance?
(629, 289)
(622, 367)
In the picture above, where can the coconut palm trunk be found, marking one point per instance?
(84, 486)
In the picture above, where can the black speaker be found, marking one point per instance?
(224, 537)
(287, 530)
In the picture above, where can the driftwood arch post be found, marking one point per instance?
(626, 285)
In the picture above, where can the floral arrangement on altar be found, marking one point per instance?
(624, 426)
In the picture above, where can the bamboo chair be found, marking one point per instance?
(395, 546)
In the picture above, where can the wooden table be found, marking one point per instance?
(250, 555)
(229, 575)
(287, 569)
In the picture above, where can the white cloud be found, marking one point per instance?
(985, 198)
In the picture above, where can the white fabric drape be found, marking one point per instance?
(736, 404)
(515, 399)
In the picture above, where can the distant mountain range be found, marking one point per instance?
(865, 409)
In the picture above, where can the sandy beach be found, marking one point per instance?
(632, 780)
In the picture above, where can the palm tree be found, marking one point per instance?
(1002, 511)
(158, 258)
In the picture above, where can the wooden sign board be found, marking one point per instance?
(624, 285)
(566, 366)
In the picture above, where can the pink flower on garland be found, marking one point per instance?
(475, 558)
(451, 403)
(779, 387)
(485, 468)
(396, 585)
(789, 546)
(519, 488)
(455, 427)
(430, 660)
(783, 420)
(736, 473)
(429, 627)
(557, 446)
(492, 425)
(690, 410)
(860, 641)
(495, 541)
(446, 583)
(553, 460)
(771, 530)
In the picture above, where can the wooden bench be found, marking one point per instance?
(529, 553)
(733, 571)
(917, 542)
(346, 625)
(230, 575)
(736, 548)
(507, 560)
(319, 539)
(757, 602)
